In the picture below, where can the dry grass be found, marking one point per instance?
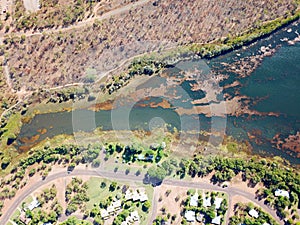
(49, 60)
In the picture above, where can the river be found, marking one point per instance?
(259, 89)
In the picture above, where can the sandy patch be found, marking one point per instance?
(237, 182)
(169, 203)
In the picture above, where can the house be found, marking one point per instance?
(218, 202)
(265, 224)
(137, 195)
(23, 218)
(133, 217)
(141, 157)
(128, 195)
(110, 209)
(143, 197)
(194, 200)
(116, 204)
(34, 204)
(216, 220)
(190, 216)
(207, 202)
(253, 213)
(104, 214)
(283, 193)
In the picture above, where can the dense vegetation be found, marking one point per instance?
(133, 153)
(76, 195)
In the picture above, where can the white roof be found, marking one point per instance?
(35, 203)
(266, 224)
(116, 204)
(104, 213)
(218, 202)
(143, 197)
(207, 202)
(190, 216)
(110, 209)
(128, 195)
(136, 195)
(283, 193)
(133, 217)
(253, 213)
(216, 220)
(194, 199)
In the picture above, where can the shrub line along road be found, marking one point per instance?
(231, 191)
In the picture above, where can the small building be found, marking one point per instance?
(23, 218)
(143, 197)
(265, 224)
(194, 200)
(253, 213)
(218, 202)
(137, 195)
(34, 204)
(104, 214)
(190, 216)
(207, 202)
(135, 216)
(283, 193)
(216, 220)
(116, 204)
(141, 157)
(110, 209)
(132, 218)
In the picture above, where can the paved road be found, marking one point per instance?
(231, 191)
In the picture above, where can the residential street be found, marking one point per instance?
(121, 176)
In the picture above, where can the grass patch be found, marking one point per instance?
(16, 215)
(96, 193)
(12, 128)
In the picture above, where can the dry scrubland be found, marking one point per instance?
(52, 59)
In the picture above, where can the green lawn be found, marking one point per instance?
(96, 193)
(16, 215)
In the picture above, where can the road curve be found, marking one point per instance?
(231, 191)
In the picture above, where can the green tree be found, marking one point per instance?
(146, 206)
(156, 174)
(5, 162)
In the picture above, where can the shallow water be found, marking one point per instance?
(275, 83)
